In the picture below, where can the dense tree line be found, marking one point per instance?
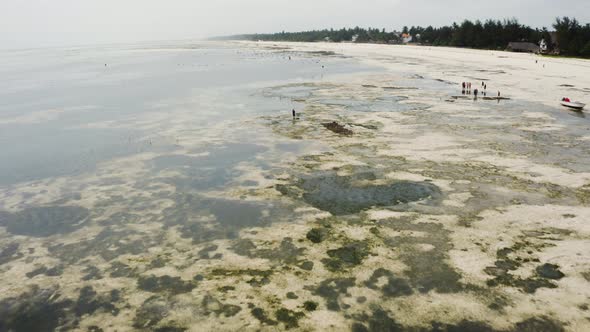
(572, 38)
(362, 36)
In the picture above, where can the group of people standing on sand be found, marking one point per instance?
(466, 89)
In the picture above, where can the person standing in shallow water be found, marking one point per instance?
(294, 113)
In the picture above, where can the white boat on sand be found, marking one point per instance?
(573, 105)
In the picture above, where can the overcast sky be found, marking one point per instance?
(31, 23)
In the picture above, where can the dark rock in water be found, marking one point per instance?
(550, 271)
(44, 221)
(317, 235)
(337, 128)
(340, 196)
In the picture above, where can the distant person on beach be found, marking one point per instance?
(475, 92)
(485, 86)
(498, 94)
(294, 113)
(463, 85)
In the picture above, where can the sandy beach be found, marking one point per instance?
(432, 212)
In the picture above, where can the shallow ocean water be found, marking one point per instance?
(166, 187)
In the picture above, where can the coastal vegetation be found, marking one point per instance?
(567, 37)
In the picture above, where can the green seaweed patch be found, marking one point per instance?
(108, 244)
(331, 290)
(158, 262)
(262, 316)
(230, 217)
(90, 301)
(306, 265)
(212, 305)
(310, 305)
(45, 221)
(225, 289)
(50, 272)
(258, 278)
(151, 312)
(170, 329)
(348, 256)
(528, 285)
(10, 252)
(288, 317)
(538, 324)
(205, 253)
(426, 270)
(395, 286)
(317, 235)
(344, 195)
(464, 325)
(241, 272)
(168, 284)
(549, 271)
(40, 309)
(91, 273)
(36, 310)
(583, 195)
(120, 270)
(508, 259)
(287, 252)
(379, 320)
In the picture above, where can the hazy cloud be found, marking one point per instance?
(29, 23)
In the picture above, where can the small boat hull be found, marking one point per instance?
(573, 105)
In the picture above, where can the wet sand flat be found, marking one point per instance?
(427, 213)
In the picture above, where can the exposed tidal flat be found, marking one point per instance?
(170, 189)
